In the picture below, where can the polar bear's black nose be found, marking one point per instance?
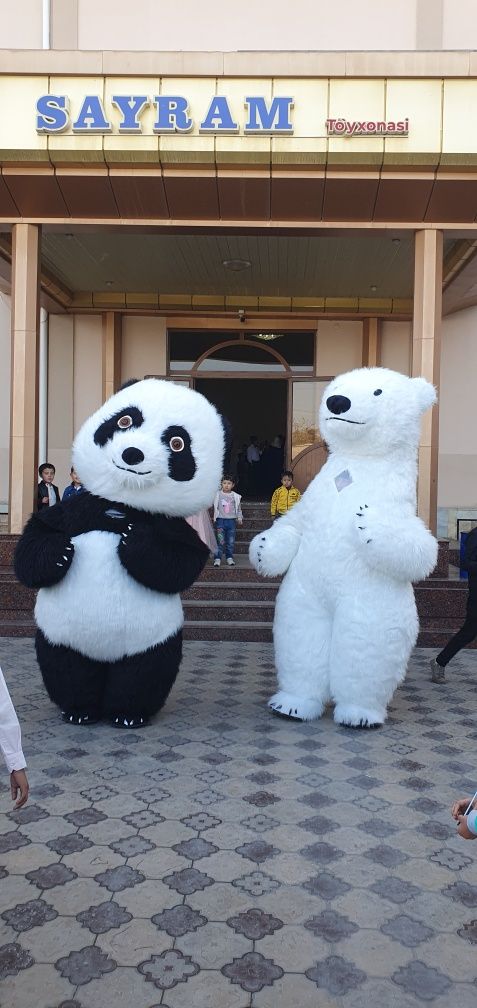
(132, 456)
(338, 404)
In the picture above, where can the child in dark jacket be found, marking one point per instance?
(48, 494)
(468, 630)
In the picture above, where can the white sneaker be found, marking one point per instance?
(217, 562)
(230, 562)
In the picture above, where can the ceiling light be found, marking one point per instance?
(373, 287)
(236, 265)
(266, 336)
(109, 283)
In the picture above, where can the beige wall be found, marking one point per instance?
(339, 347)
(21, 24)
(457, 430)
(5, 356)
(88, 358)
(143, 346)
(270, 25)
(459, 27)
(74, 383)
(395, 350)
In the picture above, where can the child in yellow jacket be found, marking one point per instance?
(285, 496)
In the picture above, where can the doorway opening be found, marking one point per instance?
(257, 408)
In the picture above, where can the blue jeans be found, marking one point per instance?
(225, 532)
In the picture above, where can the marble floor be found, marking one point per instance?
(225, 858)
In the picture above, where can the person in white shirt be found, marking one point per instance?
(11, 746)
(253, 459)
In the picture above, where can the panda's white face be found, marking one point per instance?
(154, 446)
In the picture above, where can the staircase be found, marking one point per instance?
(235, 603)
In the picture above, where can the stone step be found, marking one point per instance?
(14, 595)
(229, 611)
(236, 591)
(20, 625)
(243, 630)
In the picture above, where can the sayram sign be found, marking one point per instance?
(172, 115)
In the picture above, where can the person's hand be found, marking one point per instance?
(240, 521)
(463, 829)
(19, 787)
(459, 807)
(44, 500)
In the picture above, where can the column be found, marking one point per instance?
(111, 353)
(24, 387)
(371, 347)
(426, 355)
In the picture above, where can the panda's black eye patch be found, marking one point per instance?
(125, 419)
(378, 391)
(182, 465)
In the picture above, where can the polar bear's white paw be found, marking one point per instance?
(351, 716)
(295, 707)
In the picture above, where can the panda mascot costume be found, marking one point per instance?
(345, 617)
(110, 562)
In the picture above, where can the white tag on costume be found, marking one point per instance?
(343, 479)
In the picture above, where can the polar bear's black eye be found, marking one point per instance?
(378, 391)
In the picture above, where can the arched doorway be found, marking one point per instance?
(263, 390)
(249, 384)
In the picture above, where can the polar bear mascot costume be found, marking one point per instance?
(345, 618)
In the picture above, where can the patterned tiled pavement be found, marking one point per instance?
(224, 858)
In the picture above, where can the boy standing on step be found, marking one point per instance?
(227, 512)
(285, 496)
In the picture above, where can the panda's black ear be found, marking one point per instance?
(131, 381)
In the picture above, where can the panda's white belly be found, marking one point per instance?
(99, 610)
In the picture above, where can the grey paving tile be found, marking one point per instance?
(226, 859)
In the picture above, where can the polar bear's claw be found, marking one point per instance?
(295, 708)
(362, 724)
(357, 717)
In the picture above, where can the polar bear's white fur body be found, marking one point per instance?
(345, 618)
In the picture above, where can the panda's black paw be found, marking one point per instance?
(129, 722)
(79, 719)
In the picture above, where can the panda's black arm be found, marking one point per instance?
(43, 554)
(168, 565)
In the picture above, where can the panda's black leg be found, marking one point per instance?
(138, 685)
(74, 682)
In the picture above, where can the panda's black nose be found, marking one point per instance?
(338, 404)
(132, 456)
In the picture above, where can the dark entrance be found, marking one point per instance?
(252, 407)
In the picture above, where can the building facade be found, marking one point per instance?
(247, 219)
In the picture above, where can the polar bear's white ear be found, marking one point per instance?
(426, 393)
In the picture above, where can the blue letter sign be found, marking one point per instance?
(52, 113)
(275, 119)
(172, 114)
(92, 118)
(131, 107)
(218, 118)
